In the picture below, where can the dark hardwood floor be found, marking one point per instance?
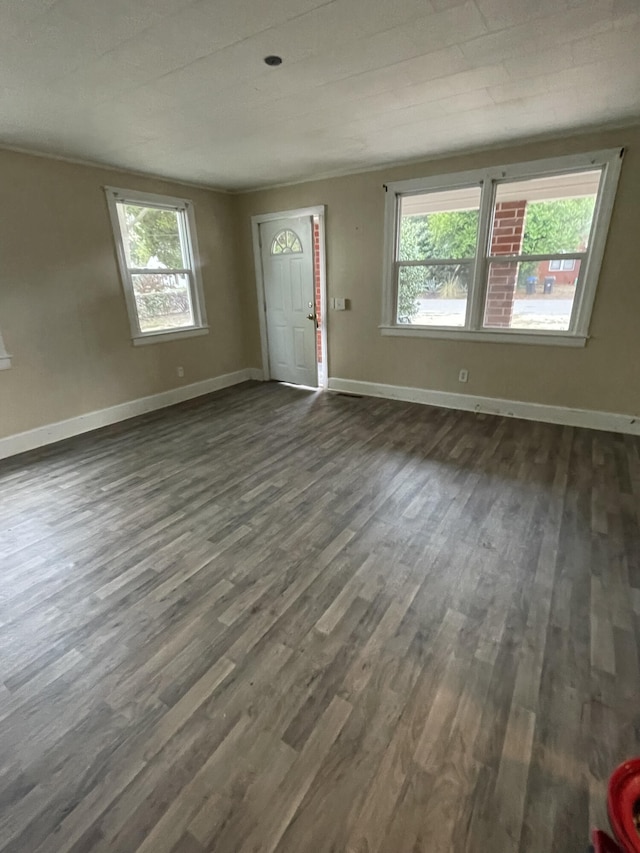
(273, 620)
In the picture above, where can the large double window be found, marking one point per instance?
(159, 265)
(511, 253)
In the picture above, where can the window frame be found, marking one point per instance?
(5, 358)
(608, 160)
(187, 226)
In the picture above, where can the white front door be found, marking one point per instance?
(286, 247)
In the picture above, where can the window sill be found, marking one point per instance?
(510, 337)
(178, 334)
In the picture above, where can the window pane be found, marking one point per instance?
(286, 242)
(162, 301)
(544, 215)
(439, 225)
(530, 296)
(152, 238)
(433, 294)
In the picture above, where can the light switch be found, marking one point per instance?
(339, 303)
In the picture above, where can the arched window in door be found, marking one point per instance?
(286, 242)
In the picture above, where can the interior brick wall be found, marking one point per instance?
(506, 239)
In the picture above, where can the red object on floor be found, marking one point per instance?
(603, 844)
(624, 794)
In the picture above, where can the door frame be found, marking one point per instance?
(256, 221)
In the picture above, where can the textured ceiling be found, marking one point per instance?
(179, 88)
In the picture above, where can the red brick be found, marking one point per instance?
(510, 205)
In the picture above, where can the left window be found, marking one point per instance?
(157, 252)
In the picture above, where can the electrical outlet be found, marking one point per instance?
(463, 376)
(180, 372)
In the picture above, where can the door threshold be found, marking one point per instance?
(295, 385)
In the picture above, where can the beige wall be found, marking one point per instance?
(62, 311)
(63, 316)
(603, 376)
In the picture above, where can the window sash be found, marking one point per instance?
(474, 262)
(138, 200)
(195, 303)
(574, 319)
(160, 270)
(435, 262)
(549, 256)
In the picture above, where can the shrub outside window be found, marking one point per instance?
(157, 254)
(504, 254)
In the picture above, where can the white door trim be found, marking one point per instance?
(318, 211)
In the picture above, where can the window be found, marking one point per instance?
(512, 253)
(158, 258)
(564, 266)
(438, 235)
(286, 242)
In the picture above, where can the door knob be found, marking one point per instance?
(311, 316)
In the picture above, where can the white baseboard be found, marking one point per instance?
(51, 433)
(610, 421)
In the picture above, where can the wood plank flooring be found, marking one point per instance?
(281, 621)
